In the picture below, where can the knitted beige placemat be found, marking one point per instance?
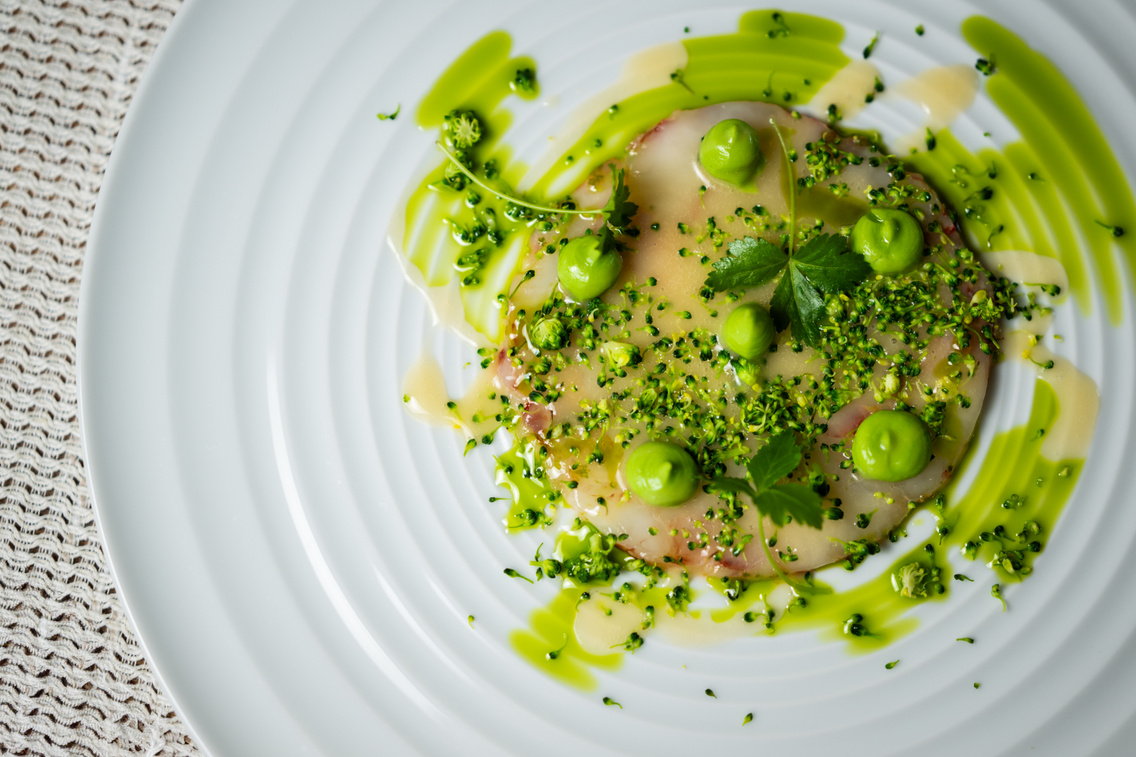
(72, 677)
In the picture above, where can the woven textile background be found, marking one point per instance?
(72, 677)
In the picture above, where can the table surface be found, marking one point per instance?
(73, 680)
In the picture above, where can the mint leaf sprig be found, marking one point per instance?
(780, 502)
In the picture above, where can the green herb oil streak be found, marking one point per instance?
(549, 644)
(1050, 192)
(1000, 523)
(1044, 206)
(784, 60)
(438, 239)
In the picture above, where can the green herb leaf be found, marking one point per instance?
(797, 501)
(797, 304)
(750, 262)
(829, 265)
(780, 502)
(774, 461)
(619, 209)
(728, 485)
(824, 264)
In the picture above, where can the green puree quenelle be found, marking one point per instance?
(661, 474)
(731, 151)
(805, 364)
(892, 445)
(890, 239)
(748, 331)
(585, 269)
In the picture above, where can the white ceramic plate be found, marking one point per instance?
(300, 558)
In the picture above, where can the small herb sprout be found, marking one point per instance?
(747, 719)
(824, 265)
(470, 620)
(871, 46)
(1116, 231)
(678, 76)
(996, 592)
(965, 639)
(931, 141)
(985, 66)
(961, 577)
(389, 116)
(781, 503)
(612, 703)
(553, 654)
(514, 574)
(710, 693)
(854, 626)
(920, 30)
(633, 642)
(463, 128)
(891, 664)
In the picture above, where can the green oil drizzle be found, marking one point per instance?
(549, 644)
(480, 80)
(1014, 487)
(1036, 194)
(784, 60)
(1051, 190)
(530, 491)
(1000, 523)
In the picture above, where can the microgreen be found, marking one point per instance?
(749, 262)
(617, 213)
(824, 265)
(389, 116)
(781, 503)
(871, 46)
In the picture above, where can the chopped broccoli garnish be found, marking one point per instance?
(464, 128)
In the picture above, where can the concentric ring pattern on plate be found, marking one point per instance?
(300, 557)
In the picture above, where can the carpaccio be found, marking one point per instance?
(914, 341)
